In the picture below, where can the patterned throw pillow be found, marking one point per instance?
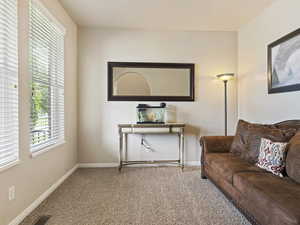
(272, 156)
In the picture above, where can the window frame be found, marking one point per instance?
(6, 165)
(52, 142)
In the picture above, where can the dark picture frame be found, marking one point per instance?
(112, 97)
(286, 46)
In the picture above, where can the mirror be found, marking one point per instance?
(150, 81)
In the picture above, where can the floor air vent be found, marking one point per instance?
(42, 220)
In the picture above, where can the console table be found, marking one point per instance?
(161, 129)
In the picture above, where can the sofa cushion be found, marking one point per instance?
(255, 136)
(272, 156)
(240, 139)
(271, 199)
(246, 142)
(293, 158)
(227, 164)
(288, 124)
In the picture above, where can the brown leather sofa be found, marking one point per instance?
(262, 197)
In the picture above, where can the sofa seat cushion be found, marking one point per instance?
(272, 200)
(227, 164)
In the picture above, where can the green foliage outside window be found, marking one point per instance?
(40, 102)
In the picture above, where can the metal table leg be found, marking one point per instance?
(182, 148)
(125, 141)
(179, 149)
(120, 149)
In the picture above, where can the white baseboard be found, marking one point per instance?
(108, 165)
(97, 165)
(42, 197)
(193, 163)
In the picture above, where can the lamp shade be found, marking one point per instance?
(225, 76)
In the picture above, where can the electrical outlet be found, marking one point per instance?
(11, 193)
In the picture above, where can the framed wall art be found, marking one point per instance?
(284, 64)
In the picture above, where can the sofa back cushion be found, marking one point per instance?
(247, 140)
(288, 124)
(240, 140)
(293, 158)
(255, 135)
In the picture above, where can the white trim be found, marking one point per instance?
(47, 148)
(10, 165)
(97, 165)
(41, 198)
(193, 163)
(107, 165)
(153, 165)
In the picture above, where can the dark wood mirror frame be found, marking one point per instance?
(190, 66)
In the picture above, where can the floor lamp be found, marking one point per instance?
(225, 78)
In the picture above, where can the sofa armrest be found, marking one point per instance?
(216, 144)
(213, 144)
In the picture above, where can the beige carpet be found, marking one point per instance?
(137, 196)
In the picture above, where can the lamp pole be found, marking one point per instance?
(225, 95)
(225, 78)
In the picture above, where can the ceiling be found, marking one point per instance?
(192, 15)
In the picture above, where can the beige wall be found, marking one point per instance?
(212, 52)
(281, 18)
(33, 176)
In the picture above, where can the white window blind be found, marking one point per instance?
(46, 62)
(9, 136)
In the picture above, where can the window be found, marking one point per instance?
(9, 123)
(46, 63)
